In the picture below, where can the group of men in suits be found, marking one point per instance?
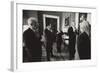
(32, 49)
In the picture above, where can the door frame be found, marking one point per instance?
(50, 16)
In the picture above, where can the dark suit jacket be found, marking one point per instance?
(32, 42)
(72, 40)
(59, 38)
(84, 46)
(49, 37)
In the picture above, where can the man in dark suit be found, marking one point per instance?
(84, 40)
(72, 41)
(49, 41)
(32, 42)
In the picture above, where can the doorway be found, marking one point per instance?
(51, 19)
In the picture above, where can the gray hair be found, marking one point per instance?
(30, 20)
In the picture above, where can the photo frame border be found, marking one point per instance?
(17, 65)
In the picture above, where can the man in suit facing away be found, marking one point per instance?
(31, 39)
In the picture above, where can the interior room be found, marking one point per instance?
(60, 21)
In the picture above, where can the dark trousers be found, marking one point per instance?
(49, 50)
(71, 55)
(58, 47)
(71, 52)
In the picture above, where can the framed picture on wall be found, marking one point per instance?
(51, 36)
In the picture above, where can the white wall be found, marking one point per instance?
(72, 20)
(89, 18)
(64, 15)
(5, 27)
